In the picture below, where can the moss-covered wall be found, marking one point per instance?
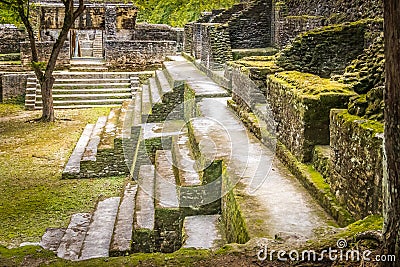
(366, 76)
(327, 50)
(357, 160)
(301, 104)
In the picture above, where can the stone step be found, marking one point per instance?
(62, 75)
(94, 80)
(88, 91)
(162, 82)
(146, 101)
(91, 148)
(137, 117)
(51, 239)
(72, 241)
(73, 168)
(123, 230)
(71, 97)
(72, 86)
(98, 237)
(88, 68)
(202, 232)
(184, 161)
(82, 103)
(125, 120)
(108, 135)
(166, 195)
(154, 92)
(144, 221)
(79, 106)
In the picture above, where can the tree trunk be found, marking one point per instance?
(391, 180)
(47, 99)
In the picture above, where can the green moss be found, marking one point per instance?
(375, 127)
(312, 85)
(317, 178)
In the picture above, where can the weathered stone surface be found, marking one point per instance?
(202, 232)
(184, 161)
(52, 238)
(179, 71)
(328, 50)
(267, 185)
(357, 173)
(98, 237)
(144, 239)
(72, 241)
(10, 37)
(72, 168)
(123, 230)
(165, 183)
(91, 148)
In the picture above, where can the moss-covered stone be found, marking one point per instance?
(327, 50)
(357, 175)
(300, 104)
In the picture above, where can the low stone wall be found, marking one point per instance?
(300, 105)
(10, 37)
(328, 50)
(137, 55)
(12, 85)
(356, 178)
(44, 50)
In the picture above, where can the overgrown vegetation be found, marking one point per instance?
(32, 156)
(177, 12)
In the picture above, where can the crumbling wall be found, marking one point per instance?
(10, 37)
(252, 27)
(137, 55)
(356, 178)
(216, 47)
(328, 50)
(44, 50)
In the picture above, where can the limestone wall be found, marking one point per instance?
(216, 47)
(136, 55)
(10, 37)
(327, 50)
(356, 178)
(44, 51)
(294, 16)
(12, 85)
(252, 28)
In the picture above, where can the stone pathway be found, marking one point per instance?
(172, 204)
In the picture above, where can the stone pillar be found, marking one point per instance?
(110, 21)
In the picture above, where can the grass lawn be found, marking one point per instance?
(33, 196)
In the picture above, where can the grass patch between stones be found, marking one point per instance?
(33, 196)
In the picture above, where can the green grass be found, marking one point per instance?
(32, 156)
(10, 109)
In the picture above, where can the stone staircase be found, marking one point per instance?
(84, 90)
(98, 45)
(88, 64)
(199, 178)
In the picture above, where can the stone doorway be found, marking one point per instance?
(87, 44)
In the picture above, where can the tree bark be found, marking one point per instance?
(391, 181)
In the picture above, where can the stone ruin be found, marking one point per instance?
(304, 77)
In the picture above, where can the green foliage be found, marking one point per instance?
(177, 12)
(8, 16)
